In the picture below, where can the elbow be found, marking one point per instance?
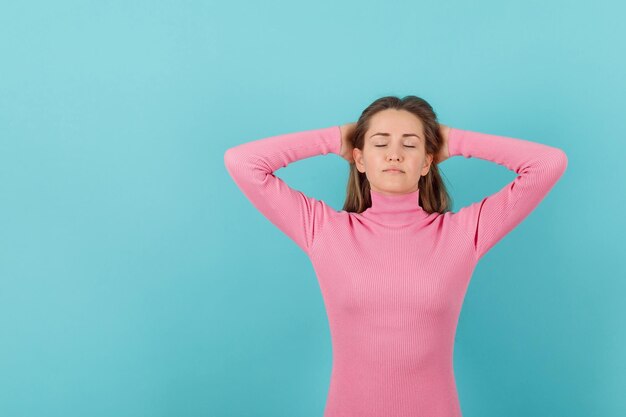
(556, 162)
(240, 166)
(230, 162)
(561, 158)
(230, 158)
(227, 157)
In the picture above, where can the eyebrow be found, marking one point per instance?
(387, 134)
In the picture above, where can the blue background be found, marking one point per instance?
(137, 280)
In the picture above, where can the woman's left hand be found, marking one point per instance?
(443, 154)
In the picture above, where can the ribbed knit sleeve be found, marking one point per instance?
(252, 166)
(539, 167)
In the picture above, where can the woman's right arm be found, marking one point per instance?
(252, 166)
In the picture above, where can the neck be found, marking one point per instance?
(395, 208)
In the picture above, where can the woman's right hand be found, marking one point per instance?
(347, 131)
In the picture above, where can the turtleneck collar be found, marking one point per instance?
(396, 208)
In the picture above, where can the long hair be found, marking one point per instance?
(433, 195)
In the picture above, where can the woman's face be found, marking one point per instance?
(395, 138)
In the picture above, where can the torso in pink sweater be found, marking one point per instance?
(393, 277)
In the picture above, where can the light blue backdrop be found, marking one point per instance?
(136, 279)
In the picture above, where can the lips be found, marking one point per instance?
(393, 170)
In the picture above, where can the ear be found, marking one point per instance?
(427, 163)
(357, 155)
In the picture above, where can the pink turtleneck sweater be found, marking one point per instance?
(393, 278)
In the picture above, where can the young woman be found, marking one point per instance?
(394, 264)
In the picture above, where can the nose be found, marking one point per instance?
(395, 152)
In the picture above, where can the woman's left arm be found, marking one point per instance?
(539, 167)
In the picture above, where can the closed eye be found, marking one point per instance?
(406, 146)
